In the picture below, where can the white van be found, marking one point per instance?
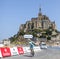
(43, 45)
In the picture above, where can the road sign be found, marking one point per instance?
(28, 36)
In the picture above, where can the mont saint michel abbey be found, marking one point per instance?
(41, 22)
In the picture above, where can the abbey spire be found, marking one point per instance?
(40, 13)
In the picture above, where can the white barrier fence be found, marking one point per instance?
(14, 51)
(27, 49)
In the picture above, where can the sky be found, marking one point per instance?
(13, 13)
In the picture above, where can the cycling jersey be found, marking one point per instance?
(31, 45)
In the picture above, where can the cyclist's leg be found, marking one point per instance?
(32, 52)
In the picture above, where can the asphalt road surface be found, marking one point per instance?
(49, 53)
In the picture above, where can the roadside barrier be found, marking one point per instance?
(0, 53)
(14, 51)
(27, 49)
(20, 50)
(37, 48)
(7, 51)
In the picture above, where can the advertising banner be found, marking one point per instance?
(14, 51)
(37, 48)
(0, 53)
(20, 50)
(26, 49)
(5, 51)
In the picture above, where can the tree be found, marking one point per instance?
(21, 32)
(48, 38)
(49, 33)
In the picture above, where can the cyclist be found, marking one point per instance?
(32, 47)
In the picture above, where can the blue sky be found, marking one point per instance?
(16, 12)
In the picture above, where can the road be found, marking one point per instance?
(49, 53)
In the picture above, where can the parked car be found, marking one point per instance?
(43, 45)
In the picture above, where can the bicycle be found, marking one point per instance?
(32, 51)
